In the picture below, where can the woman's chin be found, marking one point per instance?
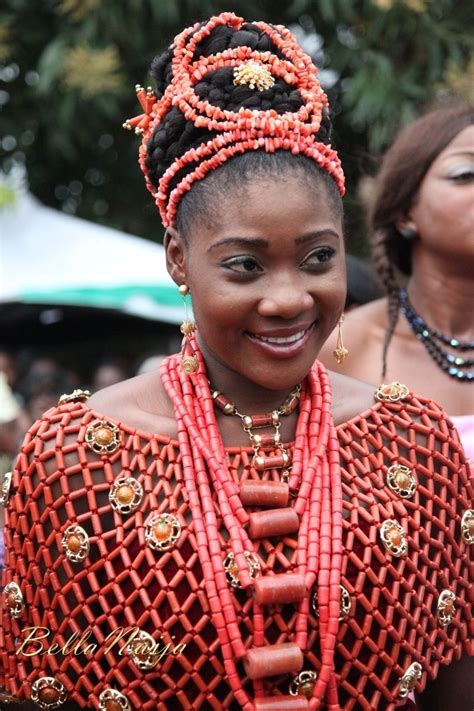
(279, 377)
(270, 366)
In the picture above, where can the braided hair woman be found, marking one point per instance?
(243, 530)
(422, 225)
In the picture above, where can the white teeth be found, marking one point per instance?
(283, 341)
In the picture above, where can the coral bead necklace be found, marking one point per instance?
(315, 517)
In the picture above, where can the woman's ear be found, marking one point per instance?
(406, 225)
(175, 250)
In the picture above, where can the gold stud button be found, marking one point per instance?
(48, 693)
(5, 488)
(143, 650)
(467, 526)
(232, 571)
(303, 684)
(76, 396)
(401, 481)
(345, 603)
(14, 600)
(446, 607)
(409, 679)
(393, 537)
(103, 437)
(162, 531)
(126, 494)
(75, 543)
(392, 392)
(113, 700)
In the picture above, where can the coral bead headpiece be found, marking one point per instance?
(234, 132)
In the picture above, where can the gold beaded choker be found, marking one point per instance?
(261, 462)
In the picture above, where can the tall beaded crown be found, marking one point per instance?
(233, 132)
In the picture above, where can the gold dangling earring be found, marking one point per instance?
(340, 353)
(189, 363)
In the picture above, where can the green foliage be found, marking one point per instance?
(71, 67)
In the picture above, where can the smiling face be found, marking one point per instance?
(267, 279)
(443, 213)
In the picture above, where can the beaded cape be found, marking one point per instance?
(393, 618)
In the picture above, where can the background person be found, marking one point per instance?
(422, 222)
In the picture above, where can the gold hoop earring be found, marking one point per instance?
(340, 352)
(189, 359)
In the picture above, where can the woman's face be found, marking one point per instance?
(443, 214)
(267, 279)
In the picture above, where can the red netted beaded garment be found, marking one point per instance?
(101, 557)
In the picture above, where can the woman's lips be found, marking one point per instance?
(282, 345)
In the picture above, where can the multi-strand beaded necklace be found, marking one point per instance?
(313, 484)
(455, 365)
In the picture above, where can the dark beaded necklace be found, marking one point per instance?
(455, 366)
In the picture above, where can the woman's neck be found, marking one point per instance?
(248, 396)
(442, 293)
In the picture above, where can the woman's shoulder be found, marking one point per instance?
(66, 436)
(140, 403)
(141, 406)
(350, 397)
(366, 322)
(354, 400)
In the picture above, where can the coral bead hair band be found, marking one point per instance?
(237, 131)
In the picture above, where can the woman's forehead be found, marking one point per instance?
(462, 144)
(265, 204)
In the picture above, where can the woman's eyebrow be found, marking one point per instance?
(263, 243)
(240, 242)
(466, 153)
(308, 236)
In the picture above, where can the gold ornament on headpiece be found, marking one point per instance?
(255, 75)
(147, 100)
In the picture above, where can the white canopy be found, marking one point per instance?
(48, 257)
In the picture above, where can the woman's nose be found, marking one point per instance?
(285, 299)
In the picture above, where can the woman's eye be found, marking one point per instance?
(320, 256)
(243, 265)
(463, 175)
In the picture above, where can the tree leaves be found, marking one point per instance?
(391, 58)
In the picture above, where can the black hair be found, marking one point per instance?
(175, 134)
